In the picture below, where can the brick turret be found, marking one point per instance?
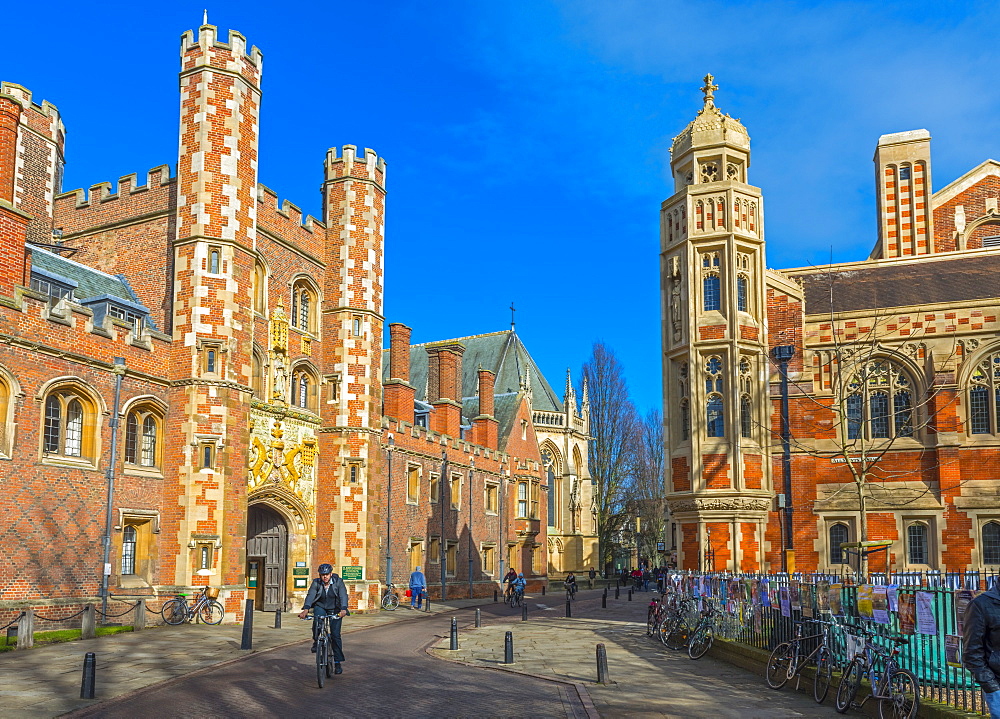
(13, 224)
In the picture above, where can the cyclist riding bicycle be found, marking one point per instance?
(327, 596)
(518, 584)
(508, 579)
(571, 583)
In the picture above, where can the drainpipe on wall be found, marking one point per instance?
(783, 355)
(119, 370)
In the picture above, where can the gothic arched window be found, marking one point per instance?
(715, 414)
(879, 403)
(711, 282)
(916, 543)
(746, 401)
(991, 543)
(304, 385)
(984, 396)
(303, 316)
(742, 290)
(838, 535)
(549, 462)
(142, 437)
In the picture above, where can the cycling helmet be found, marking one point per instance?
(520, 574)
(325, 569)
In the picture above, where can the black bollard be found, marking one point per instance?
(494, 596)
(453, 644)
(277, 619)
(616, 592)
(247, 642)
(602, 664)
(427, 604)
(89, 676)
(508, 648)
(524, 612)
(543, 590)
(569, 610)
(630, 595)
(604, 601)
(479, 618)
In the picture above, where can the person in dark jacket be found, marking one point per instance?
(981, 641)
(327, 596)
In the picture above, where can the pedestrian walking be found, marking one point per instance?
(981, 639)
(593, 575)
(418, 585)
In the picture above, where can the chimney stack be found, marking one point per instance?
(484, 426)
(398, 392)
(444, 386)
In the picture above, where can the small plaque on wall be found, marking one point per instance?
(349, 574)
(296, 571)
(301, 582)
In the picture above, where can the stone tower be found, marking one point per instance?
(902, 191)
(352, 321)
(213, 268)
(713, 307)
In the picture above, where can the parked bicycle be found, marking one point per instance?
(324, 648)
(788, 659)
(390, 599)
(703, 633)
(675, 629)
(896, 689)
(205, 608)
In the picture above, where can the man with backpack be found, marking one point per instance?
(327, 596)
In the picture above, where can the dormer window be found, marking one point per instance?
(136, 319)
(55, 289)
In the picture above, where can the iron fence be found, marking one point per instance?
(753, 613)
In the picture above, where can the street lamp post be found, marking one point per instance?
(119, 371)
(388, 515)
(443, 550)
(502, 499)
(472, 467)
(783, 355)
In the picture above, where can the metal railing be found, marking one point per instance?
(753, 614)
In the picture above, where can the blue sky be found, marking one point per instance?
(527, 142)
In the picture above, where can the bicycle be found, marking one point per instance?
(324, 648)
(205, 608)
(896, 689)
(703, 634)
(674, 629)
(390, 600)
(516, 598)
(788, 658)
(570, 590)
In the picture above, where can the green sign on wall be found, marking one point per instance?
(297, 571)
(352, 574)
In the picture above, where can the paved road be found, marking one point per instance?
(387, 674)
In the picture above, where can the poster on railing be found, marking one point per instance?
(786, 602)
(907, 613)
(953, 650)
(963, 598)
(765, 593)
(806, 592)
(836, 606)
(793, 594)
(758, 621)
(926, 622)
(880, 604)
(865, 601)
(892, 597)
(823, 596)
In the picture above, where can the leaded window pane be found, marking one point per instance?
(53, 421)
(903, 408)
(128, 549)
(685, 421)
(854, 405)
(131, 438)
(991, 543)
(979, 412)
(304, 311)
(303, 390)
(148, 457)
(713, 293)
(715, 417)
(746, 415)
(916, 539)
(838, 536)
(741, 294)
(73, 442)
(879, 405)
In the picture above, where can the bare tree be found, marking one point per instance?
(646, 492)
(870, 406)
(611, 451)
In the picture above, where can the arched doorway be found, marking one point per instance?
(267, 557)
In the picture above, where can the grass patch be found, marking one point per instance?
(63, 635)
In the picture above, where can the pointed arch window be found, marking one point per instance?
(5, 407)
(69, 427)
(549, 462)
(984, 396)
(303, 314)
(259, 287)
(715, 415)
(143, 432)
(711, 282)
(304, 386)
(746, 399)
(685, 405)
(742, 293)
(879, 403)
(916, 543)
(991, 543)
(838, 535)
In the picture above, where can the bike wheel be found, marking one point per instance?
(650, 622)
(904, 696)
(321, 661)
(211, 613)
(701, 642)
(776, 673)
(390, 602)
(329, 657)
(850, 682)
(677, 635)
(174, 612)
(824, 674)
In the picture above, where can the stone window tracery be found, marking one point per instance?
(303, 316)
(304, 389)
(711, 281)
(984, 396)
(732, 171)
(685, 405)
(715, 416)
(143, 432)
(743, 283)
(879, 404)
(746, 399)
(709, 172)
(69, 424)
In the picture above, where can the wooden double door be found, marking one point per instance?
(267, 557)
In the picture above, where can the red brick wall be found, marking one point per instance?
(712, 332)
(748, 547)
(753, 471)
(689, 546)
(716, 471)
(680, 474)
(974, 201)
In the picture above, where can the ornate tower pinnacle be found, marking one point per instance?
(709, 90)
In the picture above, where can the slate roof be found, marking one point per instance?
(505, 355)
(902, 284)
(90, 283)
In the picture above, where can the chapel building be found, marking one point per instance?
(887, 369)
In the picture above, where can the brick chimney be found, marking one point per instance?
(484, 425)
(398, 393)
(444, 386)
(13, 222)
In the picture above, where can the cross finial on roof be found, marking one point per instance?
(709, 89)
(512, 311)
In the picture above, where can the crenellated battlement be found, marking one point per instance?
(369, 166)
(285, 220)
(209, 51)
(43, 118)
(79, 209)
